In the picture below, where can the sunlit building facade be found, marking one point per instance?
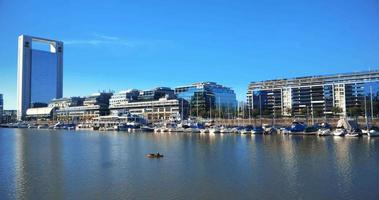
(158, 104)
(40, 73)
(207, 96)
(349, 94)
(77, 109)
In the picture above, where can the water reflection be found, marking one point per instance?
(99, 165)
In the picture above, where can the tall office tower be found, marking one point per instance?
(40, 73)
(1, 108)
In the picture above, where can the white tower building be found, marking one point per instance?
(40, 73)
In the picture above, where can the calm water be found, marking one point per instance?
(42, 164)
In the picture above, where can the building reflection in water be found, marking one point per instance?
(41, 165)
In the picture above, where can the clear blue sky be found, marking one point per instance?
(147, 43)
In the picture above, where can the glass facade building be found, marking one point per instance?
(349, 94)
(206, 97)
(40, 73)
(43, 86)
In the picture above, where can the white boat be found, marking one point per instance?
(324, 132)
(214, 130)
(146, 129)
(352, 135)
(373, 132)
(235, 130)
(157, 130)
(339, 132)
(111, 128)
(84, 127)
(43, 126)
(205, 130)
(22, 125)
(224, 130)
(32, 126)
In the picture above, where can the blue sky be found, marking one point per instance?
(147, 43)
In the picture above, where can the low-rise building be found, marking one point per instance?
(43, 113)
(94, 105)
(154, 105)
(66, 102)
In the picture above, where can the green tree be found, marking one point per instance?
(355, 111)
(336, 110)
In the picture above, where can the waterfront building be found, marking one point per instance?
(72, 110)
(118, 100)
(206, 97)
(115, 120)
(41, 113)
(348, 94)
(154, 105)
(9, 116)
(40, 73)
(66, 102)
(1, 107)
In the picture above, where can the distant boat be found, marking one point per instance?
(214, 130)
(296, 128)
(224, 130)
(340, 132)
(324, 132)
(43, 126)
(147, 129)
(257, 130)
(352, 135)
(373, 132)
(205, 130)
(154, 155)
(246, 130)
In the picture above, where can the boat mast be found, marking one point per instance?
(197, 105)
(210, 109)
(366, 113)
(372, 106)
(260, 108)
(238, 112)
(219, 108)
(181, 117)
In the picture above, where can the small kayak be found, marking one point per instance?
(153, 155)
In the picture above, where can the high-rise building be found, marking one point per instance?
(209, 99)
(1, 108)
(349, 94)
(40, 73)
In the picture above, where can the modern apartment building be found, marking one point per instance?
(40, 72)
(345, 94)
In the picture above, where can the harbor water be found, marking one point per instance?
(60, 164)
